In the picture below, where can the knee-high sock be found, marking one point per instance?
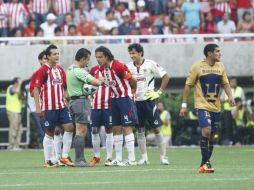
(109, 144)
(161, 144)
(130, 143)
(118, 142)
(47, 147)
(210, 149)
(96, 141)
(204, 150)
(67, 140)
(79, 144)
(58, 141)
(142, 145)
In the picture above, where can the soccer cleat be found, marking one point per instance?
(108, 162)
(67, 161)
(50, 164)
(59, 163)
(95, 161)
(129, 163)
(206, 168)
(143, 162)
(164, 160)
(82, 163)
(116, 163)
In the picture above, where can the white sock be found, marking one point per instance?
(96, 141)
(118, 142)
(109, 144)
(67, 140)
(161, 144)
(58, 141)
(142, 145)
(130, 143)
(47, 147)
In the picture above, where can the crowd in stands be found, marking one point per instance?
(124, 17)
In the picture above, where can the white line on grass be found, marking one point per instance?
(126, 182)
(50, 171)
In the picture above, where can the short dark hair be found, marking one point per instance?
(41, 55)
(238, 99)
(49, 48)
(82, 53)
(15, 80)
(137, 47)
(106, 52)
(210, 48)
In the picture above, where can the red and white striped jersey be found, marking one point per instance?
(40, 6)
(62, 6)
(51, 82)
(116, 76)
(3, 15)
(101, 99)
(16, 12)
(223, 7)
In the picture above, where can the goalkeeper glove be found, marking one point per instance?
(152, 95)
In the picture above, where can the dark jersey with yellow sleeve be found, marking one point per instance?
(207, 81)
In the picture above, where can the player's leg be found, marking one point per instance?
(107, 122)
(117, 131)
(64, 118)
(129, 119)
(141, 137)
(81, 110)
(96, 121)
(49, 122)
(205, 125)
(153, 117)
(57, 142)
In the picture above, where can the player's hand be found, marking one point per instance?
(104, 82)
(183, 112)
(152, 95)
(231, 101)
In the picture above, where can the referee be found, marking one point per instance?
(80, 105)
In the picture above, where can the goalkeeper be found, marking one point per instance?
(145, 71)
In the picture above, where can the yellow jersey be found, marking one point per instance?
(207, 81)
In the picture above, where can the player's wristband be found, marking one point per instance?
(184, 105)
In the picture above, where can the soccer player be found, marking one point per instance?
(49, 91)
(101, 116)
(145, 71)
(123, 109)
(80, 105)
(207, 76)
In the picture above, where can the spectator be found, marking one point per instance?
(220, 8)
(226, 26)
(58, 32)
(227, 127)
(72, 31)
(105, 25)
(192, 14)
(3, 19)
(196, 39)
(17, 14)
(40, 8)
(13, 108)
(38, 33)
(246, 24)
(99, 12)
(243, 6)
(29, 31)
(142, 17)
(166, 128)
(85, 27)
(161, 6)
(127, 25)
(68, 20)
(82, 9)
(114, 32)
(209, 26)
(60, 8)
(17, 32)
(49, 26)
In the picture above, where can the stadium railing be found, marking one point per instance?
(153, 39)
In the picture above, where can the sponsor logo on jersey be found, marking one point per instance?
(112, 83)
(139, 79)
(57, 81)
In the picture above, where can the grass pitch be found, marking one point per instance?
(234, 170)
